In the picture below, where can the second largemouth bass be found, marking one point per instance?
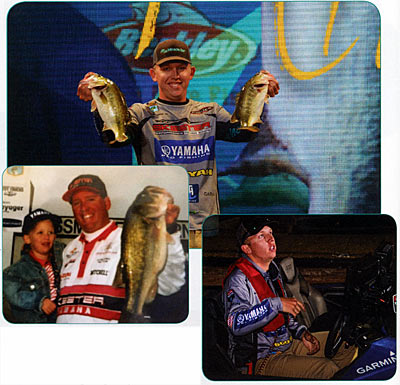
(144, 250)
(111, 104)
(250, 102)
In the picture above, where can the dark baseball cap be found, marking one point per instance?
(250, 225)
(85, 182)
(169, 50)
(37, 216)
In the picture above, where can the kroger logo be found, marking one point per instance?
(213, 48)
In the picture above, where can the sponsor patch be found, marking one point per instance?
(194, 193)
(230, 321)
(153, 108)
(179, 128)
(184, 151)
(72, 253)
(99, 272)
(286, 342)
(203, 172)
(103, 260)
(65, 275)
(202, 111)
(69, 262)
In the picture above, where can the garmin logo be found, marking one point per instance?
(213, 48)
(391, 360)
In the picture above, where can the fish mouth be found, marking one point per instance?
(260, 85)
(97, 87)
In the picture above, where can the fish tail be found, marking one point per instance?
(122, 138)
(234, 118)
(130, 291)
(250, 128)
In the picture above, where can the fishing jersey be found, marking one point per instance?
(88, 272)
(183, 134)
(245, 314)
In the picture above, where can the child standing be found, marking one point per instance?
(30, 286)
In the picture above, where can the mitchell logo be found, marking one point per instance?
(213, 48)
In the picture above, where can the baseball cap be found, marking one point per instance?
(36, 216)
(85, 182)
(171, 49)
(251, 225)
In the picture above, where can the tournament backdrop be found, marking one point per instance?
(319, 148)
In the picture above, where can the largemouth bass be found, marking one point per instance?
(143, 250)
(250, 102)
(111, 104)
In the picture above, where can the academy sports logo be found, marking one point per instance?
(213, 48)
(184, 151)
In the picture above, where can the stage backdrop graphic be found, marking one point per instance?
(319, 147)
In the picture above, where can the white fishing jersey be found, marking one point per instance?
(87, 274)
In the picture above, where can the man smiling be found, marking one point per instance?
(173, 129)
(90, 261)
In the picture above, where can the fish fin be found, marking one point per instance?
(119, 279)
(250, 128)
(103, 98)
(170, 240)
(151, 294)
(122, 138)
(105, 128)
(147, 220)
(234, 119)
(237, 97)
(93, 106)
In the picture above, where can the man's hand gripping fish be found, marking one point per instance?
(110, 102)
(144, 250)
(250, 102)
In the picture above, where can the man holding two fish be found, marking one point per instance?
(173, 129)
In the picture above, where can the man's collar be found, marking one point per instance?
(173, 103)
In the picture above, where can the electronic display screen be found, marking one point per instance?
(318, 149)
